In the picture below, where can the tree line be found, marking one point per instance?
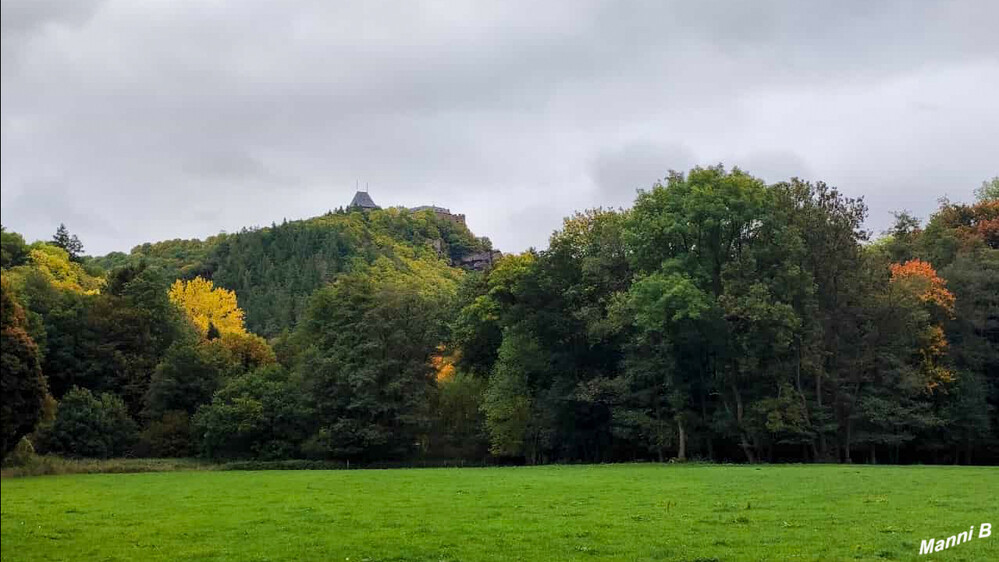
(718, 318)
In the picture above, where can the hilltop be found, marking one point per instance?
(274, 269)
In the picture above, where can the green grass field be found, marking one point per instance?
(610, 512)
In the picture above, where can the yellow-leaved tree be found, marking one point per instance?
(54, 265)
(207, 305)
(443, 363)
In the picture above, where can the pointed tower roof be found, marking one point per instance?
(363, 201)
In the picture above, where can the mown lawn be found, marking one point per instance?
(612, 512)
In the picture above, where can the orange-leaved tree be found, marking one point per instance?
(443, 363)
(920, 277)
(921, 280)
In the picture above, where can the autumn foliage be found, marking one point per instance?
(23, 385)
(207, 305)
(443, 364)
(923, 279)
(972, 225)
(920, 277)
(719, 318)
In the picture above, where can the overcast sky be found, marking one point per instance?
(140, 121)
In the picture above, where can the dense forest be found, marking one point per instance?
(275, 270)
(719, 318)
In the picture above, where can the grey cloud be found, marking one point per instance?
(226, 166)
(45, 203)
(619, 173)
(180, 119)
(775, 165)
(23, 20)
(26, 17)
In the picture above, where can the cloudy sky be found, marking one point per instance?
(137, 121)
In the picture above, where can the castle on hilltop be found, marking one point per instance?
(480, 260)
(363, 201)
(441, 213)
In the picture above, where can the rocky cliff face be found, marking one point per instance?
(479, 261)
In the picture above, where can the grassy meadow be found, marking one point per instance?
(602, 512)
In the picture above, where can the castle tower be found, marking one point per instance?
(363, 201)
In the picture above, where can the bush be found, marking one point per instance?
(90, 426)
(185, 378)
(40, 465)
(22, 453)
(262, 414)
(168, 436)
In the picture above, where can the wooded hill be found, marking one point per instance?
(273, 270)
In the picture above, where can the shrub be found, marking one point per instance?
(168, 436)
(185, 378)
(22, 453)
(90, 426)
(39, 465)
(262, 414)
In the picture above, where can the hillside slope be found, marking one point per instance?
(274, 269)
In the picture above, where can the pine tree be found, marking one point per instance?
(68, 242)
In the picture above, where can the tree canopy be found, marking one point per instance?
(719, 318)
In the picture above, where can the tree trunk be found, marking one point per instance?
(743, 441)
(823, 448)
(801, 394)
(846, 445)
(704, 419)
(747, 448)
(681, 455)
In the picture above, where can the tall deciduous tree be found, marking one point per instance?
(208, 306)
(13, 250)
(509, 403)
(989, 190)
(263, 414)
(23, 387)
(369, 339)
